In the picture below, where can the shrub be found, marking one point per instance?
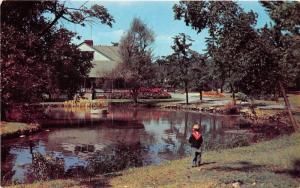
(241, 96)
(231, 108)
(45, 167)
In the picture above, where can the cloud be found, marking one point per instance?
(163, 38)
(116, 34)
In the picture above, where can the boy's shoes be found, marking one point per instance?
(196, 165)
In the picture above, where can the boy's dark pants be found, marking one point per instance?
(197, 156)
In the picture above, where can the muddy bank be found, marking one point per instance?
(16, 129)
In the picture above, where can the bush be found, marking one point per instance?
(244, 124)
(231, 108)
(45, 167)
(242, 96)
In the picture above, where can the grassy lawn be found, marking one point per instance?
(51, 184)
(14, 129)
(293, 99)
(274, 163)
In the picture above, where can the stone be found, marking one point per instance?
(236, 185)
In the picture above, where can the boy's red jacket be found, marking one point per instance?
(196, 139)
(197, 135)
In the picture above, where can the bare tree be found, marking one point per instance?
(136, 55)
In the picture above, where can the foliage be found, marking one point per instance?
(183, 62)
(47, 167)
(121, 157)
(251, 60)
(143, 93)
(200, 76)
(285, 14)
(37, 56)
(231, 108)
(230, 29)
(242, 96)
(136, 54)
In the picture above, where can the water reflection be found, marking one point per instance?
(123, 138)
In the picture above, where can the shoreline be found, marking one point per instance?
(216, 110)
(11, 130)
(266, 164)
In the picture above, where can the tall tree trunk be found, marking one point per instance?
(252, 108)
(288, 106)
(222, 85)
(233, 94)
(186, 92)
(275, 95)
(3, 109)
(135, 95)
(200, 93)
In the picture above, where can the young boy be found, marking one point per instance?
(196, 141)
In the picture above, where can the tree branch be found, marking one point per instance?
(57, 17)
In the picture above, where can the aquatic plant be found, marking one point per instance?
(45, 167)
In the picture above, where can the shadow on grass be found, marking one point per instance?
(99, 181)
(242, 166)
(295, 172)
(208, 163)
(203, 164)
(245, 166)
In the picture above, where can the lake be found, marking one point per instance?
(76, 142)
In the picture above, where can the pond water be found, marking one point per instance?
(76, 142)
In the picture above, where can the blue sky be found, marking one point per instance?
(158, 15)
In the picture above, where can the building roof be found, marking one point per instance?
(111, 52)
(103, 67)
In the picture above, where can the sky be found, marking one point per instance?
(158, 15)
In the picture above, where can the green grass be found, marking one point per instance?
(294, 99)
(13, 129)
(267, 164)
(51, 184)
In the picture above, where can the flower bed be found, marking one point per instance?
(144, 93)
(153, 93)
(213, 94)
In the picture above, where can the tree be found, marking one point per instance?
(200, 73)
(180, 62)
(37, 56)
(258, 62)
(136, 55)
(229, 29)
(285, 44)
